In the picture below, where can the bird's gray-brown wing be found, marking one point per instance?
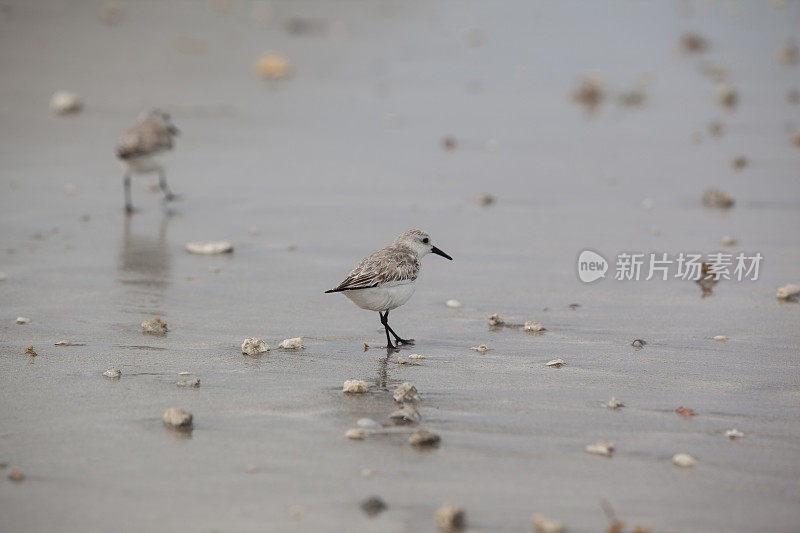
(389, 264)
(143, 139)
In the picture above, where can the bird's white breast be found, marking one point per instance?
(386, 297)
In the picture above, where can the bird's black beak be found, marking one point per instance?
(173, 130)
(437, 251)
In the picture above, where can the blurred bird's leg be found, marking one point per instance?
(162, 182)
(126, 181)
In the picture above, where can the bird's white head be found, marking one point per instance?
(419, 242)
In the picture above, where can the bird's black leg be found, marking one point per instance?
(126, 181)
(396, 336)
(162, 182)
(385, 322)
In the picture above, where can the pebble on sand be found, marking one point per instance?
(113, 373)
(600, 448)
(177, 418)
(405, 415)
(449, 142)
(496, 320)
(191, 383)
(373, 506)
(65, 103)
(272, 66)
(254, 346)
(453, 304)
(788, 292)
(726, 96)
(423, 437)
(542, 524)
(354, 386)
(295, 343)
(556, 363)
(23, 320)
(406, 392)
(716, 128)
(789, 54)
(714, 197)
(589, 93)
(613, 403)
(639, 343)
(485, 199)
(209, 247)
(720, 338)
(734, 434)
(156, 326)
(450, 518)
(355, 434)
(729, 240)
(534, 326)
(693, 43)
(16, 475)
(683, 460)
(738, 162)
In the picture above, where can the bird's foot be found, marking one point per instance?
(169, 197)
(405, 341)
(129, 210)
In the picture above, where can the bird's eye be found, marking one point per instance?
(425, 240)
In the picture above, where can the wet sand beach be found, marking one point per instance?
(308, 174)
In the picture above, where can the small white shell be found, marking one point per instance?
(254, 346)
(496, 320)
(534, 326)
(734, 434)
(406, 393)
(294, 343)
(64, 103)
(23, 320)
(556, 363)
(112, 373)
(453, 304)
(209, 247)
(600, 448)
(788, 292)
(683, 460)
(482, 349)
(613, 403)
(355, 386)
(720, 338)
(355, 434)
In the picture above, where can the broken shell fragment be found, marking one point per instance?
(177, 418)
(406, 392)
(453, 304)
(272, 66)
(534, 326)
(685, 411)
(555, 363)
(600, 448)
(16, 476)
(720, 338)
(405, 415)
(789, 292)
(209, 247)
(30, 351)
(450, 518)
(734, 434)
(294, 343)
(23, 320)
(416, 356)
(714, 197)
(422, 437)
(496, 320)
(157, 326)
(546, 525)
(190, 383)
(355, 434)
(112, 373)
(354, 386)
(728, 240)
(639, 343)
(613, 403)
(482, 349)
(683, 460)
(254, 346)
(65, 103)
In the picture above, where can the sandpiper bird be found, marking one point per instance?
(143, 148)
(385, 280)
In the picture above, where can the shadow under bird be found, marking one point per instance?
(143, 150)
(385, 280)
